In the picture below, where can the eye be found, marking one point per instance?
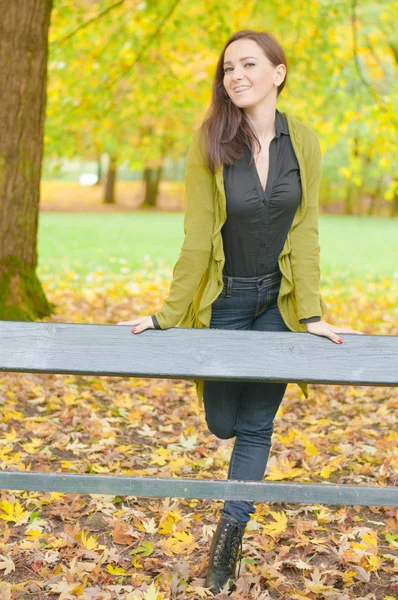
(250, 64)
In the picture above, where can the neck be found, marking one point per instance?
(262, 119)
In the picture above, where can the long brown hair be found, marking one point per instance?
(226, 127)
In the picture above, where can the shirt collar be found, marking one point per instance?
(280, 127)
(280, 124)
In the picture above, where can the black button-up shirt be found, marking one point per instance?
(258, 220)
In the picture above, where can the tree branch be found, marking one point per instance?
(142, 51)
(361, 76)
(87, 23)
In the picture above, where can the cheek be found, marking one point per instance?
(262, 80)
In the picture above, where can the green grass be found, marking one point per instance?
(84, 243)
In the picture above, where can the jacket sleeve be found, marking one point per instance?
(310, 320)
(305, 250)
(196, 248)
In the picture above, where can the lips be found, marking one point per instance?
(240, 89)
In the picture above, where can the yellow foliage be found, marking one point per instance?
(278, 526)
(282, 469)
(13, 512)
(115, 570)
(180, 542)
(87, 541)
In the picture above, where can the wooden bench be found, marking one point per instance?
(29, 347)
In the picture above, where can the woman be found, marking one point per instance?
(250, 257)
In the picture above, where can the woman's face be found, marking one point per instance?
(249, 77)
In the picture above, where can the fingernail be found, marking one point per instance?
(340, 341)
(134, 330)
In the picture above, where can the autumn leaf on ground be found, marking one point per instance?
(179, 543)
(5, 591)
(278, 526)
(278, 469)
(87, 541)
(13, 512)
(7, 564)
(332, 466)
(316, 585)
(152, 594)
(121, 532)
(145, 548)
(115, 570)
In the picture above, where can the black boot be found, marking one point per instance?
(225, 549)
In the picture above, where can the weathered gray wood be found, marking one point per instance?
(150, 487)
(197, 354)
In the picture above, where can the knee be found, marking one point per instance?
(221, 430)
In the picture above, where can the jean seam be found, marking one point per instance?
(232, 459)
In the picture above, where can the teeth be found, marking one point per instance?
(241, 89)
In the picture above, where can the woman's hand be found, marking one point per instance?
(140, 324)
(326, 330)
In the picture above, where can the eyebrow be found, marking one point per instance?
(244, 58)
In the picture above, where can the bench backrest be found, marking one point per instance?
(197, 354)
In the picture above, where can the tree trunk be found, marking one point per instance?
(374, 196)
(394, 206)
(99, 170)
(152, 177)
(23, 77)
(348, 200)
(109, 197)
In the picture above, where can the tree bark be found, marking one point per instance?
(99, 170)
(348, 200)
(394, 205)
(152, 177)
(374, 195)
(24, 28)
(109, 197)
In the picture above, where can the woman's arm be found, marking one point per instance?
(196, 248)
(305, 250)
(305, 254)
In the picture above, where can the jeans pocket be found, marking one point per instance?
(221, 296)
(273, 291)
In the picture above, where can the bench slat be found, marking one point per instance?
(151, 487)
(197, 354)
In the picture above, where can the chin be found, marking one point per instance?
(243, 103)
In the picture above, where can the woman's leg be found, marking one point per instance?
(257, 408)
(234, 309)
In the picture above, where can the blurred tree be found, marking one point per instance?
(150, 65)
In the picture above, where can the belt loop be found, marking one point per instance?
(229, 286)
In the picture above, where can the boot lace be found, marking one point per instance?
(230, 546)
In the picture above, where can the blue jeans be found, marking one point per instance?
(245, 410)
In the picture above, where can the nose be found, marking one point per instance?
(237, 76)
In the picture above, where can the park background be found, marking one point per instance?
(128, 83)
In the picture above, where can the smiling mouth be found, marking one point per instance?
(242, 90)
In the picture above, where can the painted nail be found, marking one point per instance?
(340, 341)
(134, 330)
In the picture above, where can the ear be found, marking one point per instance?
(280, 74)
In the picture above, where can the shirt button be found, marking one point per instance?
(261, 264)
(262, 245)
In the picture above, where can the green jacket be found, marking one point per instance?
(197, 275)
